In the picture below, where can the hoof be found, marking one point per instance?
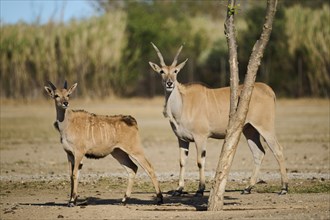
(177, 193)
(160, 199)
(199, 193)
(124, 201)
(283, 192)
(71, 204)
(246, 191)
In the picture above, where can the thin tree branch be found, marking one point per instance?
(233, 60)
(255, 60)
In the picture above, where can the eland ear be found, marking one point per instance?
(155, 67)
(72, 88)
(49, 91)
(181, 65)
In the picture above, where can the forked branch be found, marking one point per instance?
(237, 120)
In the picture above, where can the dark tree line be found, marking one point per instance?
(108, 54)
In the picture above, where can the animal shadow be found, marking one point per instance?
(199, 203)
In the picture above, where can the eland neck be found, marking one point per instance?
(60, 113)
(173, 103)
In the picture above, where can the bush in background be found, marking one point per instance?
(108, 54)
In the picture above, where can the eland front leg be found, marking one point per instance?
(184, 151)
(201, 154)
(74, 165)
(131, 168)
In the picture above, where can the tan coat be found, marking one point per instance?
(197, 113)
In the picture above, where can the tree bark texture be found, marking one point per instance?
(233, 60)
(238, 115)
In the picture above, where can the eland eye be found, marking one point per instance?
(175, 71)
(56, 96)
(161, 72)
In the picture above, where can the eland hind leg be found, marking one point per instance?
(253, 138)
(277, 150)
(131, 168)
(146, 165)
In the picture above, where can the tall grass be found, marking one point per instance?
(109, 54)
(87, 51)
(309, 41)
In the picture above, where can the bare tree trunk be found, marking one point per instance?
(238, 110)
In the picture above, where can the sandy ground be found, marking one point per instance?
(34, 176)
